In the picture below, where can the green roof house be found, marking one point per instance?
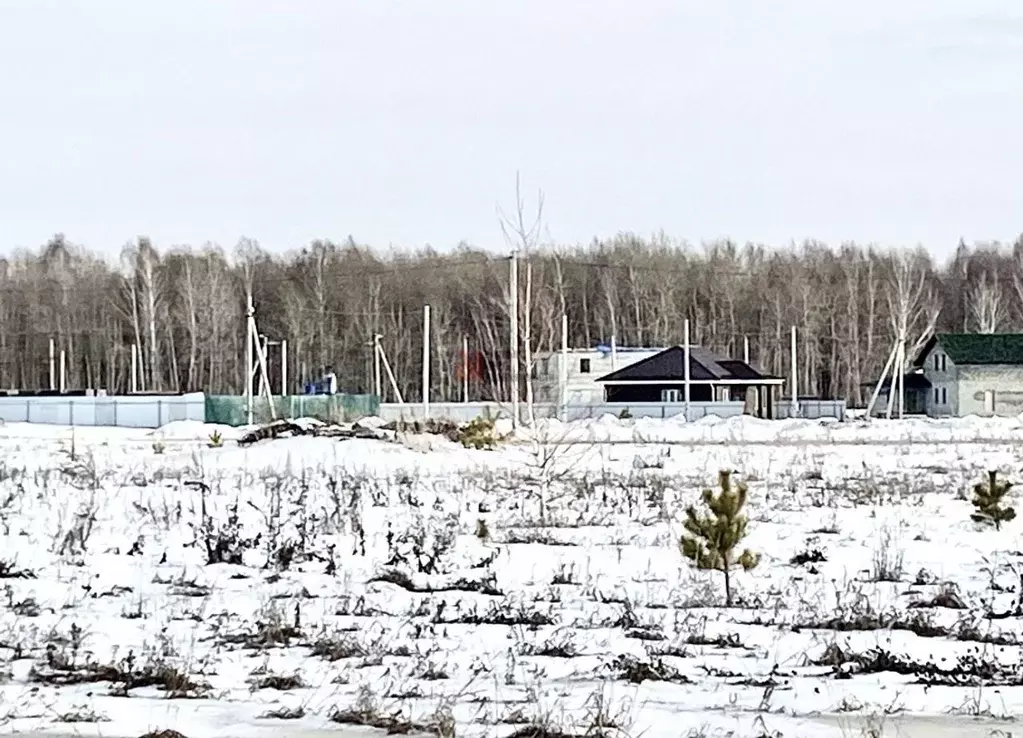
(958, 374)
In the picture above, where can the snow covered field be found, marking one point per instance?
(536, 589)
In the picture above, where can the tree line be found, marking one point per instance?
(185, 308)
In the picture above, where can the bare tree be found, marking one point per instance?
(522, 234)
(987, 305)
(913, 308)
(185, 308)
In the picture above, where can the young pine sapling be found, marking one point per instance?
(713, 535)
(990, 503)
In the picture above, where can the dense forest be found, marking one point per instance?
(185, 308)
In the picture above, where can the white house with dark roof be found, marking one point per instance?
(661, 378)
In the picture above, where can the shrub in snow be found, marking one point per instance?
(478, 434)
(216, 440)
(714, 534)
(425, 547)
(989, 501)
(222, 539)
(887, 561)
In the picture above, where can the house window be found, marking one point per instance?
(937, 395)
(937, 368)
(944, 396)
(670, 395)
(584, 366)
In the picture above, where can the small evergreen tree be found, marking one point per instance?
(989, 501)
(714, 534)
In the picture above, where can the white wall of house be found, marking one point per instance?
(995, 389)
(972, 389)
(943, 399)
(585, 367)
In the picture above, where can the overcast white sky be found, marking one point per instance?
(895, 121)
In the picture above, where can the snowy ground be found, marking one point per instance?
(413, 584)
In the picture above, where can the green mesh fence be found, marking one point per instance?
(233, 410)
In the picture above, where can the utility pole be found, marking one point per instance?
(513, 310)
(563, 370)
(686, 362)
(880, 382)
(250, 313)
(264, 353)
(465, 369)
(261, 364)
(390, 374)
(902, 376)
(53, 366)
(426, 363)
(378, 385)
(284, 367)
(133, 384)
(795, 377)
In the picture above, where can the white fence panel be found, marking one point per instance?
(460, 412)
(456, 412)
(812, 409)
(697, 410)
(125, 411)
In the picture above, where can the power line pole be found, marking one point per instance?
(378, 385)
(133, 385)
(685, 366)
(513, 309)
(563, 370)
(284, 367)
(250, 313)
(795, 376)
(426, 363)
(465, 369)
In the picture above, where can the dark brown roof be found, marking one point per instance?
(913, 381)
(668, 365)
(740, 369)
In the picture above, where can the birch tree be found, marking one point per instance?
(185, 307)
(522, 233)
(988, 308)
(913, 308)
